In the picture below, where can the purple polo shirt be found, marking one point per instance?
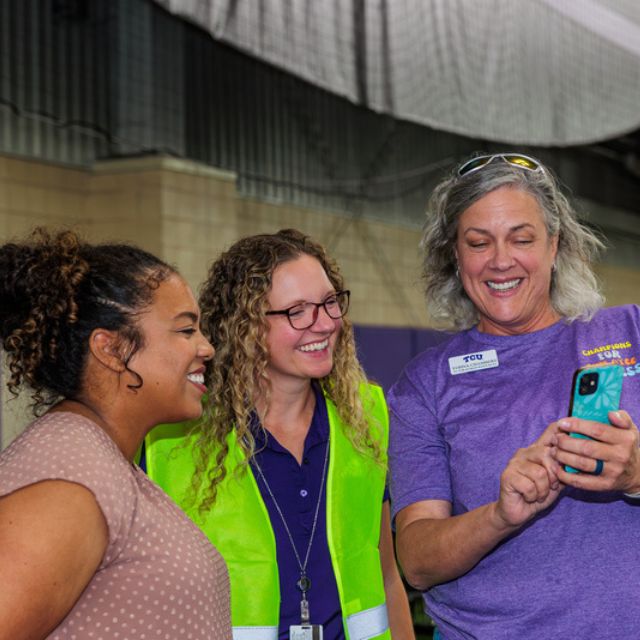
(296, 488)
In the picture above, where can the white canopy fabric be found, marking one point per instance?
(537, 72)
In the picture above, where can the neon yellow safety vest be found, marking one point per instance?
(239, 527)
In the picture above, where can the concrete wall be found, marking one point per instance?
(188, 213)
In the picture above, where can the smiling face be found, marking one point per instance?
(298, 356)
(505, 259)
(172, 361)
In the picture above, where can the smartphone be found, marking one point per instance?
(596, 391)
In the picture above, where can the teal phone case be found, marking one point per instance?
(596, 406)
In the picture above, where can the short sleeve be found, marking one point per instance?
(64, 446)
(418, 462)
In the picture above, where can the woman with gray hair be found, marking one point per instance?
(502, 517)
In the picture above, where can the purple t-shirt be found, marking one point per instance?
(574, 570)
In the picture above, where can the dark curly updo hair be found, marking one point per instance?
(54, 291)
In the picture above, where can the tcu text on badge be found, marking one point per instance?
(473, 362)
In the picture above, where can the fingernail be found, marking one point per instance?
(565, 424)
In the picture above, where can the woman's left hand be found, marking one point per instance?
(615, 445)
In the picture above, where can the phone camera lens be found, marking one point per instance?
(588, 383)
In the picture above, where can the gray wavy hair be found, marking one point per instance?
(575, 292)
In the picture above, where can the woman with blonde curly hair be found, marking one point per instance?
(286, 474)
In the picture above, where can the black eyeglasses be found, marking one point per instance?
(302, 316)
(516, 159)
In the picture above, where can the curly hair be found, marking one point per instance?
(233, 300)
(574, 288)
(54, 291)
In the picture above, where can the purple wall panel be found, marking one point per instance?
(384, 351)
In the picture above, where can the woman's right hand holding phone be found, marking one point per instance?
(530, 483)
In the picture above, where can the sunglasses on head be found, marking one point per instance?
(515, 159)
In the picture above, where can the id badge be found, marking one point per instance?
(305, 632)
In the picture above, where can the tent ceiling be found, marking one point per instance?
(536, 72)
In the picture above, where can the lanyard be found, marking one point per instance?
(303, 584)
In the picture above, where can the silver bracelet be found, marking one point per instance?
(635, 496)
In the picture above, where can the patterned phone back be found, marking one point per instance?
(605, 398)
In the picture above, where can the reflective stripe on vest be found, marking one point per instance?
(240, 528)
(370, 623)
(255, 633)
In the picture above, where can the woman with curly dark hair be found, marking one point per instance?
(107, 338)
(286, 474)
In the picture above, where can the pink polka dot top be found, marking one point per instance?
(160, 577)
